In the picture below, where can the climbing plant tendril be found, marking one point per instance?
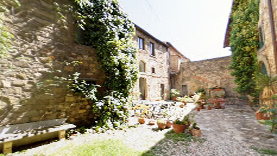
(107, 29)
(244, 44)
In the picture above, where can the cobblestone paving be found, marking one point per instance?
(232, 131)
(237, 123)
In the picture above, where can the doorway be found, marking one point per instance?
(142, 88)
(184, 90)
(162, 91)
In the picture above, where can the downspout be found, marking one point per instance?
(272, 27)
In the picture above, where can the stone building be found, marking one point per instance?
(267, 53)
(153, 61)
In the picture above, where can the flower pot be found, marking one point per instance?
(198, 109)
(196, 132)
(182, 106)
(174, 98)
(168, 124)
(209, 108)
(161, 125)
(151, 122)
(141, 120)
(261, 116)
(179, 128)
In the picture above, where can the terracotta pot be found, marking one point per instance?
(179, 128)
(198, 109)
(174, 98)
(151, 122)
(196, 132)
(209, 108)
(168, 124)
(261, 116)
(141, 120)
(161, 125)
(182, 106)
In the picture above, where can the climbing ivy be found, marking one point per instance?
(5, 35)
(244, 41)
(107, 29)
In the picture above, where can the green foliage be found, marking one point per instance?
(107, 29)
(83, 87)
(272, 112)
(185, 121)
(265, 151)
(174, 92)
(244, 44)
(98, 147)
(266, 81)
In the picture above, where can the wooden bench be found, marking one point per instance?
(27, 133)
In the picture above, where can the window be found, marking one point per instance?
(141, 43)
(261, 38)
(263, 68)
(141, 66)
(152, 50)
(153, 70)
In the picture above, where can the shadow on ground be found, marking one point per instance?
(172, 144)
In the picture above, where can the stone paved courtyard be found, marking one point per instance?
(230, 131)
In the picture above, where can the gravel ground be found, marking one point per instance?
(222, 136)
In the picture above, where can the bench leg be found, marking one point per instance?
(61, 134)
(7, 147)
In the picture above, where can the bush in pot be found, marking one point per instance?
(179, 126)
(195, 130)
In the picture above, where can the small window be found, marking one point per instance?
(140, 43)
(141, 66)
(261, 38)
(152, 49)
(153, 70)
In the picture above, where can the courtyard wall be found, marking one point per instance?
(44, 39)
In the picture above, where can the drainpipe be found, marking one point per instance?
(273, 35)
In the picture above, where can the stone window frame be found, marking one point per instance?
(142, 67)
(152, 49)
(141, 43)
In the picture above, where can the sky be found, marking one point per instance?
(195, 27)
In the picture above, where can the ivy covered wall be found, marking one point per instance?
(244, 42)
(38, 65)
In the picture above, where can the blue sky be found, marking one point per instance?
(195, 27)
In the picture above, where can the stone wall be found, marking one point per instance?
(266, 52)
(43, 41)
(160, 63)
(206, 74)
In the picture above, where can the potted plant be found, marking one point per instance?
(168, 121)
(267, 85)
(195, 130)
(151, 122)
(179, 126)
(174, 93)
(141, 119)
(209, 106)
(161, 124)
